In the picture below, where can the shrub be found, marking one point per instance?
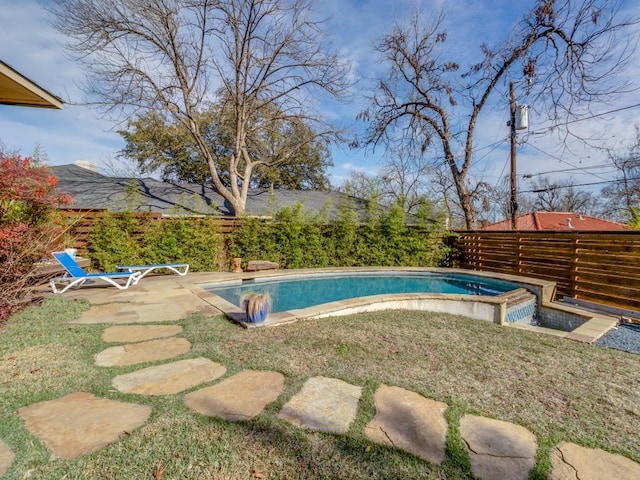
(27, 231)
(195, 241)
(293, 239)
(129, 238)
(296, 240)
(114, 240)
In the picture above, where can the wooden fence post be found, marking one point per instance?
(574, 274)
(518, 252)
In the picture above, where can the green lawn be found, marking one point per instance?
(559, 389)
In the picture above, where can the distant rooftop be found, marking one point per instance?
(92, 190)
(558, 221)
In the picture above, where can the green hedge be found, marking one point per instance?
(293, 239)
(296, 240)
(126, 238)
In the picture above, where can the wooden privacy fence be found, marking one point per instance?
(81, 221)
(597, 266)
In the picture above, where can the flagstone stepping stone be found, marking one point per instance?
(573, 462)
(156, 310)
(324, 404)
(240, 397)
(498, 450)
(6, 458)
(81, 423)
(139, 333)
(148, 291)
(149, 351)
(169, 378)
(109, 313)
(409, 421)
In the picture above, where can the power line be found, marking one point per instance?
(557, 187)
(564, 170)
(564, 161)
(504, 167)
(494, 146)
(548, 129)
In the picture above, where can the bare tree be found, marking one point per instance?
(405, 178)
(361, 185)
(497, 202)
(622, 197)
(562, 196)
(265, 59)
(566, 51)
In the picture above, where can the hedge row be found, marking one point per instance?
(292, 238)
(296, 240)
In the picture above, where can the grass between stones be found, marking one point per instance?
(558, 389)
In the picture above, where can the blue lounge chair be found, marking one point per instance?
(76, 276)
(179, 268)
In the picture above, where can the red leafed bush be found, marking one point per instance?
(27, 202)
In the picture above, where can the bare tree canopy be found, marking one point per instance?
(265, 61)
(562, 196)
(622, 196)
(565, 51)
(403, 180)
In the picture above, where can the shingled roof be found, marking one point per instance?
(558, 221)
(92, 190)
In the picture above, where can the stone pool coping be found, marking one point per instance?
(473, 306)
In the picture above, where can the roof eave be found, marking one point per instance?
(25, 92)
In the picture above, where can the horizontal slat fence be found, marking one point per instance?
(596, 266)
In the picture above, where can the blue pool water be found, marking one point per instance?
(292, 294)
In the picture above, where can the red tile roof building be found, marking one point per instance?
(558, 221)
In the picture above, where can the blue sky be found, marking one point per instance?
(29, 45)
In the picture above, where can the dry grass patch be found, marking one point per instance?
(560, 390)
(557, 388)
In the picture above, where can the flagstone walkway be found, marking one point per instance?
(80, 423)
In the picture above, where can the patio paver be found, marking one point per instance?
(409, 421)
(139, 333)
(498, 450)
(80, 423)
(240, 397)
(324, 404)
(149, 351)
(571, 461)
(6, 458)
(169, 378)
(150, 307)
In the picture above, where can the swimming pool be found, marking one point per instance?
(498, 298)
(529, 303)
(303, 292)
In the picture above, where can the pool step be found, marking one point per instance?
(521, 307)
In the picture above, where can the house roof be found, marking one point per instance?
(92, 190)
(16, 89)
(558, 221)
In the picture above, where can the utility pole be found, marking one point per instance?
(513, 206)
